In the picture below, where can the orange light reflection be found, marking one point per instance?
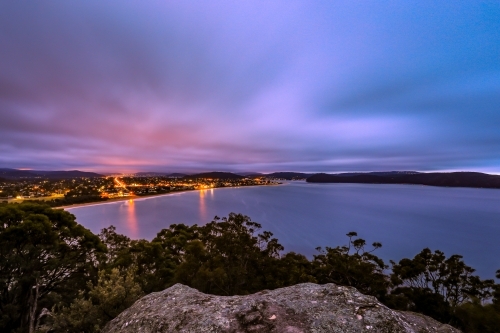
(132, 219)
(203, 208)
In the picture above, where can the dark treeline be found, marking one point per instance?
(34, 174)
(449, 179)
(57, 276)
(67, 200)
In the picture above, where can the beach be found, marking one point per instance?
(135, 197)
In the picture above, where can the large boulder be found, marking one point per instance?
(301, 308)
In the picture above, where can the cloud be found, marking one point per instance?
(249, 85)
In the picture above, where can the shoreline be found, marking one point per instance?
(135, 197)
(109, 201)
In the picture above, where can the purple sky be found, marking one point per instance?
(250, 85)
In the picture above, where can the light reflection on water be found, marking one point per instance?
(203, 207)
(131, 218)
(404, 218)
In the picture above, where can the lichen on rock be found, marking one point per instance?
(303, 308)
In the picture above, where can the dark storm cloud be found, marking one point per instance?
(295, 85)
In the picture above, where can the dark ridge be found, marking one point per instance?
(17, 174)
(250, 174)
(67, 174)
(289, 175)
(151, 174)
(176, 175)
(159, 174)
(452, 179)
(14, 173)
(378, 173)
(215, 175)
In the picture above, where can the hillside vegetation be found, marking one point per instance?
(214, 175)
(452, 179)
(57, 276)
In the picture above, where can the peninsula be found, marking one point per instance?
(64, 189)
(451, 179)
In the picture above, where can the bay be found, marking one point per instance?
(303, 216)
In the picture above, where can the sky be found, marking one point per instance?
(312, 86)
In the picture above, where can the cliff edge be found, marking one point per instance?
(302, 308)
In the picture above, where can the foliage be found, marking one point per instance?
(68, 200)
(473, 317)
(114, 292)
(45, 256)
(351, 265)
(42, 251)
(155, 261)
(449, 277)
(421, 300)
(228, 257)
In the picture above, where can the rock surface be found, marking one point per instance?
(301, 308)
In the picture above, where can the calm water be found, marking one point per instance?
(303, 216)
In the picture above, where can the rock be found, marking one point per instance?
(302, 308)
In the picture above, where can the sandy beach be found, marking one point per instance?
(113, 200)
(144, 197)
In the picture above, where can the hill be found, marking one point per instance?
(452, 179)
(176, 175)
(378, 173)
(67, 174)
(215, 175)
(150, 174)
(15, 174)
(159, 174)
(289, 175)
(18, 174)
(250, 174)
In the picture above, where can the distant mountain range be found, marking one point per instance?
(159, 174)
(28, 174)
(250, 174)
(215, 175)
(451, 179)
(19, 174)
(289, 175)
(378, 173)
(227, 175)
(230, 175)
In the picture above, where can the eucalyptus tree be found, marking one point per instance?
(448, 277)
(229, 256)
(352, 265)
(43, 252)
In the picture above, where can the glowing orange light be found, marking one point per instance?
(132, 219)
(203, 208)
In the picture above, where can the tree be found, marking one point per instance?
(89, 312)
(117, 246)
(474, 317)
(175, 239)
(496, 292)
(420, 300)
(154, 262)
(41, 251)
(440, 287)
(449, 277)
(228, 257)
(352, 265)
(292, 268)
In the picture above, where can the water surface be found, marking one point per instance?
(303, 216)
